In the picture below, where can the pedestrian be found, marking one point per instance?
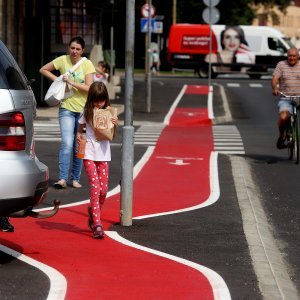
(155, 62)
(287, 75)
(102, 72)
(70, 108)
(5, 225)
(96, 156)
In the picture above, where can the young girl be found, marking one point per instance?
(96, 157)
(102, 73)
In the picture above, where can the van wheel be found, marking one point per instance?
(254, 76)
(202, 72)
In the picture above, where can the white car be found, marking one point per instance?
(23, 178)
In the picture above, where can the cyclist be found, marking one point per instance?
(287, 75)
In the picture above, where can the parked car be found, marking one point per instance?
(23, 178)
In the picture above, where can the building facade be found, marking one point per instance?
(37, 31)
(288, 22)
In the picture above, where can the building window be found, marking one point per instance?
(69, 18)
(262, 19)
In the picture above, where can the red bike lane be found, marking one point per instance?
(175, 177)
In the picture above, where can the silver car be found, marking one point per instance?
(23, 178)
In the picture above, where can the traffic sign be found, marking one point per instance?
(158, 27)
(145, 10)
(211, 3)
(211, 15)
(144, 25)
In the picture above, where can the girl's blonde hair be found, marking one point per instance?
(97, 92)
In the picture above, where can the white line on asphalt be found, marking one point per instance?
(217, 283)
(227, 117)
(256, 85)
(233, 84)
(269, 266)
(174, 105)
(231, 152)
(58, 283)
(210, 103)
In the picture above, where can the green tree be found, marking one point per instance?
(232, 12)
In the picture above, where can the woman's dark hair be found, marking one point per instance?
(238, 30)
(97, 92)
(78, 40)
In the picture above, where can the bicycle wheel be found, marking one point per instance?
(296, 139)
(290, 141)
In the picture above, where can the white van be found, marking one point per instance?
(248, 49)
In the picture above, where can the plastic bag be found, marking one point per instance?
(58, 91)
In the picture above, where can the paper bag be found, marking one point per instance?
(104, 129)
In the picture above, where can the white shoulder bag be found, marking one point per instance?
(59, 89)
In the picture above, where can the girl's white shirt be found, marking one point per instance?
(95, 150)
(101, 77)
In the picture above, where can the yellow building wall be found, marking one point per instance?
(289, 23)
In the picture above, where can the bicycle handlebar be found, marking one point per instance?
(294, 99)
(290, 97)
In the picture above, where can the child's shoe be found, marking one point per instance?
(98, 232)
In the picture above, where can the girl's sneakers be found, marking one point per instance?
(98, 232)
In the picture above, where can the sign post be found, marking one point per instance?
(211, 16)
(148, 11)
(128, 129)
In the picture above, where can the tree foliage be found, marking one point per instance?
(234, 12)
(282, 4)
(231, 12)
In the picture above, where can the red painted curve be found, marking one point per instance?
(106, 269)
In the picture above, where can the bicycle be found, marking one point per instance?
(292, 130)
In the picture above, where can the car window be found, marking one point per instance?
(11, 77)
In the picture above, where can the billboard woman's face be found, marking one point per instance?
(231, 40)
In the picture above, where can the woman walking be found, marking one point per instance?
(70, 108)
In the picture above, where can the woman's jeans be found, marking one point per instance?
(68, 121)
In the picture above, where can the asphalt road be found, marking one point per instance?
(214, 236)
(254, 110)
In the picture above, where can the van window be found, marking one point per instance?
(289, 42)
(254, 42)
(276, 45)
(11, 76)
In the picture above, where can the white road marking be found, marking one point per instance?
(179, 162)
(58, 283)
(227, 139)
(233, 85)
(256, 85)
(217, 283)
